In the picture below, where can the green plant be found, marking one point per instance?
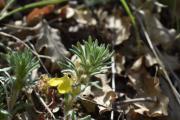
(126, 7)
(91, 59)
(3, 114)
(22, 64)
(133, 20)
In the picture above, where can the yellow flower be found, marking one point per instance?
(64, 84)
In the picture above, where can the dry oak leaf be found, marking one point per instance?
(37, 13)
(2, 4)
(105, 97)
(115, 22)
(66, 12)
(50, 40)
(148, 86)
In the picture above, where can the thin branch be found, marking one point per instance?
(46, 106)
(130, 101)
(113, 69)
(135, 100)
(40, 59)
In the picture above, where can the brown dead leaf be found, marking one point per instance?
(147, 86)
(87, 100)
(157, 32)
(170, 61)
(2, 4)
(102, 97)
(50, 40)
(120, 61)
(106, 99)
(85, 17)
(120, 25)
(134, 115)
(66, 12)
(37, 13)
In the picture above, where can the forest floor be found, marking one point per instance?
(89, 60)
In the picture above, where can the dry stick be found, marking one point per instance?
(36, 27)
(21, 27)
(130, 101)
(42, 56)
(168, 80)
(113, 69)
(46, 106)
(34, 52)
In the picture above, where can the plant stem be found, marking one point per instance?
(124, 3)
(32, 5)
(6, 7)
(13, 98)
(126, 7)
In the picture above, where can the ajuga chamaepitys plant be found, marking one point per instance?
(90, 59)
(22, 64)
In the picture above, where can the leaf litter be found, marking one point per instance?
(139, 92)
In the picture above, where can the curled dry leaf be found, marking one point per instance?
(84, 17)
(37, 13)
(120, 62)
(117, 23)
(2, 4)
(50, 40)
(132, 115)
(106, 99)
(147, 86)
(66, 12)
(87, 100)
(122, 30)
(103, 98)
(157, 32)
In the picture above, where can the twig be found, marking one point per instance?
(21, 27)
(46, 106)
(41, 60)
(113, 69)
(130, 101)
(18, 40)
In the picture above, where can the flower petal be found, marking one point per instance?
(55, 81)
(65, 86)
